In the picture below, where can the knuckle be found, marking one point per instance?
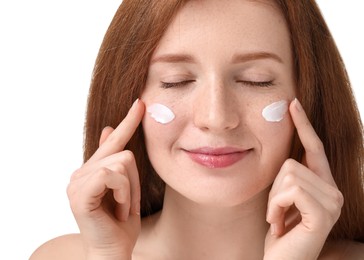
(102, 173)
(70, 190)
(290, 179)
(297, 190)
(317, 147)
(289, 169)
(120, 167)
(75, 174)
(333, 209)
(289, 165)
(128, 157)
(338, 199)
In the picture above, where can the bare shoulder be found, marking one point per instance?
(63, 247)
(343, 249)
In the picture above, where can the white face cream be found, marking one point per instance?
(160, 113)
(275, 111)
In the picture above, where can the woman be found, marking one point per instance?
(229, 164)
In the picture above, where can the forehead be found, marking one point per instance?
(234, 25)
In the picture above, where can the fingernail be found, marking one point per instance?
(297, 104)
(135, 104)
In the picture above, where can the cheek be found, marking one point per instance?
(277, 135)
(274, 137)
(161, 127)
(274, 122)
(155, 131)
(276, 142)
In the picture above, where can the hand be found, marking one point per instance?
(304, 202)
(104, 193)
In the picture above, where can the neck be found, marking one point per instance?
(191, 231)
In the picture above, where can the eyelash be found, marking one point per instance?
(261, 84)
(247, 83)
(176, 84)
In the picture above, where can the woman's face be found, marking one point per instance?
(219, 64)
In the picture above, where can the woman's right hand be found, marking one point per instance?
(104, 193)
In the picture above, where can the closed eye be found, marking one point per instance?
(256, 83)
(176, 84)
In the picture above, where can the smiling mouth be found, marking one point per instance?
(216, 157)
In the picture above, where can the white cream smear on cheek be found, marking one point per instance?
(275, 112)
(160, 113)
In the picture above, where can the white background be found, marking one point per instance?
(47, 53)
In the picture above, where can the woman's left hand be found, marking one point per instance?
(304, 202)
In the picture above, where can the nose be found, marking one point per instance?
(215, 108)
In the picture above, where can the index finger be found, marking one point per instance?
(118, 139)
(314, 149)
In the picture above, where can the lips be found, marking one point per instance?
(216, 157)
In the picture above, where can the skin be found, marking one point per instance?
(219, 108)
(243, 211)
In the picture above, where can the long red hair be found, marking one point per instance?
(323, 88)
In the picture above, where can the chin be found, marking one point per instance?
(222, 197)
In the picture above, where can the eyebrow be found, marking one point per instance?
(238, 58)
(174, 58)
